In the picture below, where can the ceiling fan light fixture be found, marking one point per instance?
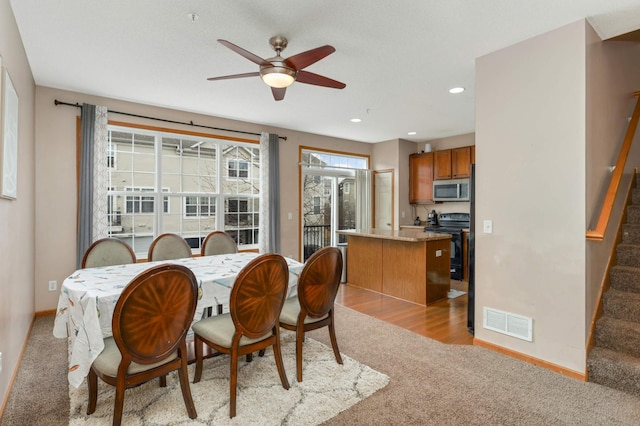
(277, 76)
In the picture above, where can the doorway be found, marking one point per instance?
(383, 199)
(328, 197)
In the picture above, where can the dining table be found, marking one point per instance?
(88, 297)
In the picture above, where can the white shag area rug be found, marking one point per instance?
(453, 294)
(327, 389)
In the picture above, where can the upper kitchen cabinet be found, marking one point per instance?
(452, 163)
(421, 178)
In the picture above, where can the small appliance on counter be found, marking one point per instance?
(417, 221)
(432, 219)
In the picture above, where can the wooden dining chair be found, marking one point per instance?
(218, 242)
(150, 323)
(168, 247)
(313, 307)
(256, 299)
(108, 252)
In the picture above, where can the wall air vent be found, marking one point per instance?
(509, 324)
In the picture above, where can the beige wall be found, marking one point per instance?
(551, 115)
(612, 77)
(56, 176)
(17, 217)
(530, 181)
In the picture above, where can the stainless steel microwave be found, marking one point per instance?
(451, 190)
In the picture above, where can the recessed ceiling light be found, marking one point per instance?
(456, 90)
(411, 133)
(356, 120)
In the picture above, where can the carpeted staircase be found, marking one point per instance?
(615, 359)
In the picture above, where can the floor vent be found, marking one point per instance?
(509, 324)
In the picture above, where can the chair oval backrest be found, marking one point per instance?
(218, 242)
(154, 312)
(168, 247)
(108, 252)
(258, 295)
(319, 282)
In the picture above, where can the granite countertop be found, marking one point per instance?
(384, 234)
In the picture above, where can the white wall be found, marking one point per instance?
(17, 229)
(530, 170)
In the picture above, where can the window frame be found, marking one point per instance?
(250, 156)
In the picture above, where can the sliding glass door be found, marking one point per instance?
(328, 198)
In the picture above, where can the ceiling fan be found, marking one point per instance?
(280, 73)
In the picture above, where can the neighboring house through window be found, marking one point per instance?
(193, 177)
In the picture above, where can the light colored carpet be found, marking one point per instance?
(327, 389)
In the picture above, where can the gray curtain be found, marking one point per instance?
(269, 235)
(274, 192)
(85, 194)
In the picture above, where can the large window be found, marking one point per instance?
(201, 184)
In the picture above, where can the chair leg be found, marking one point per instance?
(92, 382)
(277, 354)
(233, 384)
(299, 340)
(261, 352)
(197, 344)
(334, 341)
(163, 381)
(119, 402)
(183, 374)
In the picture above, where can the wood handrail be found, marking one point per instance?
(607, 206)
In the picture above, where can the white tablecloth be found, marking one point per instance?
(88, 297)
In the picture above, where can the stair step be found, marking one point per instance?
(633, 214)
(622, 305)
(618, 335)
(635, 194)
(625, 278)
(614, 370)
(631, 233)
(628, 255)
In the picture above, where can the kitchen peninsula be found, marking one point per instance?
(412, 266)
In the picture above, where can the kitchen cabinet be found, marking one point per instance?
(408, 265)
(453, 163)
(442, 164)
(421, 178)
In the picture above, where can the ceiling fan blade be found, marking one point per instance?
(227, 77)
(318, 80)
(240, 51)
(304, 59)
(278, 93)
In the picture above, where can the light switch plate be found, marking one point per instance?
(488, 226)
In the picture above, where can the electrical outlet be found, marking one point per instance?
(53, 285)
(488, 226)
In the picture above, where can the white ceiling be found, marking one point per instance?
(397, 58)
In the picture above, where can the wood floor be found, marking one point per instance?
(445, 320)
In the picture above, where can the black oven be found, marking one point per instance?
(453, 223)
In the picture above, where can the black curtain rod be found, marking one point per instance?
(190, 123)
